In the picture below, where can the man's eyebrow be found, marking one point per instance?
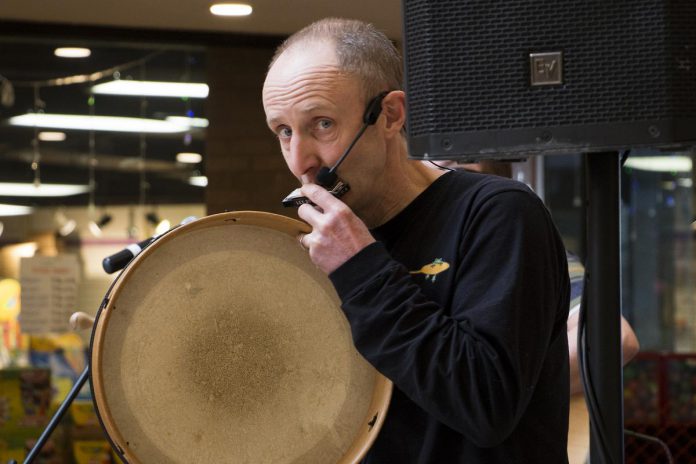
(316, 107)
(272, 121)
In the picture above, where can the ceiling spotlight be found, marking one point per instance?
(189, 158)
(96, 226)
(46, 136)
(152, 218)
(65, 226)
(231, 9)
(161, 226)
(72, 52)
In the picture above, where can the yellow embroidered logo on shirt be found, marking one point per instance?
(431, 270)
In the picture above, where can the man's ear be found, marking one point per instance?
(394, 110)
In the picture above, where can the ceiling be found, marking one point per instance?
(121, 33)
(270, 17)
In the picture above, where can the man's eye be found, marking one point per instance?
(284, 132)
(325, 123)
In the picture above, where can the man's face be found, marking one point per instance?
(315, 111)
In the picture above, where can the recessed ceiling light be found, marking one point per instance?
(97, 123)
(14, 210)
(198, 181)
(17, 189)
(152, 89)
(660, 163)
(231, 9)
(46, 136)
(191, 122)
(685, 182)
(72, 52)
(189, 158)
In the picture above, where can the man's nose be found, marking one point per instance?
(302, 158)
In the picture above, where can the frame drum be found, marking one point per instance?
(222, 342)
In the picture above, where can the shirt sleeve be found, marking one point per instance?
(474, 367)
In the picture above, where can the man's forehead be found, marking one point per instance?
(305, 75)
(298, 66)
(295, 72)
(307, 54)
(304, 100)
(306, 79)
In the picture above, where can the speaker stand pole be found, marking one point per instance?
(603, 299)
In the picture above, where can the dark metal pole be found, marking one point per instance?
(57, 417)
(603, 313)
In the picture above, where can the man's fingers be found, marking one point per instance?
(310, 214)
(319, 195)
(300, 238)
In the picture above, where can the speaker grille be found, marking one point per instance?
(467, 63)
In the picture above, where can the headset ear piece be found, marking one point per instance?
(374, 108)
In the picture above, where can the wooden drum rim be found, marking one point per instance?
(381, 393)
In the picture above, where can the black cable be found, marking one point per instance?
(350, 147)
(650, 438)
(444, 168)
(328, 178)
(587, 385)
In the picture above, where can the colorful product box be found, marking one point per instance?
(16, 445)
(25, 399)
(93, 452)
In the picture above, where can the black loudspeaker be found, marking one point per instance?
(500, 79)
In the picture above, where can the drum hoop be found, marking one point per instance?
(381, 394)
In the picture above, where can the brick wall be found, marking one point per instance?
(243, 162)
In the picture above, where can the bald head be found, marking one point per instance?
(360, 50)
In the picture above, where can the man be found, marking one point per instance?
(629, 341)
(578, 433)
(455, 284)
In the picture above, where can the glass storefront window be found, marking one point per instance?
(658, 230)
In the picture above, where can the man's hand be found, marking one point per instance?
(337, 233)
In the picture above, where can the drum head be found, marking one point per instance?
(222, 342)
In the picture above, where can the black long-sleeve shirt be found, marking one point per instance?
(462, 303)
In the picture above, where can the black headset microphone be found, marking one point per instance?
(327, 177)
